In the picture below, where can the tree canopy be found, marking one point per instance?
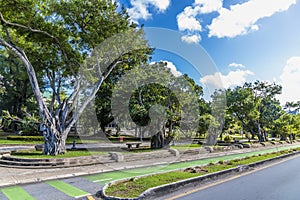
(60, 39)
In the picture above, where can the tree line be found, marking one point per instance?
(56, 57)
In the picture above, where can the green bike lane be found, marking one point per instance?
(104, 178)
(78, 187)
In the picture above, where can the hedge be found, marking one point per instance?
(25, 138)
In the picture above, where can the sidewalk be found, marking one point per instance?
(13, 176)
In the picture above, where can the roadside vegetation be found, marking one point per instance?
(137, 185)
(68, 154)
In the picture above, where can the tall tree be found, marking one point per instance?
(62, 38)
(157, 101)
(255, 106)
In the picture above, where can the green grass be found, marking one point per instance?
(70, 153)
(135, 186)
(5, 141)
(186, 146)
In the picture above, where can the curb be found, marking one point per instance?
(156, 192)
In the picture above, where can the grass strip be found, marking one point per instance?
(69, 154)
(135, 186)
(67, 189)
(104, 178)
(16, 193)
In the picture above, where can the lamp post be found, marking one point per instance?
(75, 126)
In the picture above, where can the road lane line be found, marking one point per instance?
(90, 198)
(231, 178)
(100, 180)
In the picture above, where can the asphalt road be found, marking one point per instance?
(279, 182)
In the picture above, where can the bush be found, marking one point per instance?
(228, 139)
(25, 138)
(221, 162)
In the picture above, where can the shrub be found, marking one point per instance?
(221, 162)
(25, 138)
(228, 139)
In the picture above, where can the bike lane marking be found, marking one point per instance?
(67, 189)
(16, 193)
(106, 177)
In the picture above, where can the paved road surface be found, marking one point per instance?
(279, 182)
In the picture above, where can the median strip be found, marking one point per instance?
(133, 187)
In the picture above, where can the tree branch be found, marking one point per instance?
(43, 110)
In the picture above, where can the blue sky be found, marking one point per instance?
(247, 40)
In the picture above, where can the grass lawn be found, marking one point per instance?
(186, 146)
(70, 139)
(135, 186)
(70, 153)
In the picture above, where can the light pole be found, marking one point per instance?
(75, 126)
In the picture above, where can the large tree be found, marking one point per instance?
(158, 101)
(255, 106)
(77, 44)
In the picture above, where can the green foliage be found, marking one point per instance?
(228, 138)
(29, 125)
(125, 189)
(135, 186)
(26, 138)
(255, 106)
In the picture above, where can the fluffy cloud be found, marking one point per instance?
(171, 66)
(220, 81)
(236, 65)
(208, 6)
(241, 19)
(140, 8)
(188, 22)
(191, 38)
(187, 19)
(290, 81)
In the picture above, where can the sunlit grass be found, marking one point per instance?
(136, 186)
(68, 154)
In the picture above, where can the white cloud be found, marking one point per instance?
(171, 66)
(236, 65)
(191, 38)
(140, 8)
(208, 6)
(187, 19)
(290, 81)
(241, 19)
(220, 81)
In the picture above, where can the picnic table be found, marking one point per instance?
(131, 144)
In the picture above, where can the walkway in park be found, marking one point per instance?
(65, 183)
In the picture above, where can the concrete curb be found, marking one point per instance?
(156, 192)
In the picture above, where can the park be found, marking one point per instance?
(87, 114)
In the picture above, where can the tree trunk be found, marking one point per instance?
(54, 142)
(157, 141)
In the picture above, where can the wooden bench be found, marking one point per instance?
(131, 144)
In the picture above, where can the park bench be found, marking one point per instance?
(131, 144)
